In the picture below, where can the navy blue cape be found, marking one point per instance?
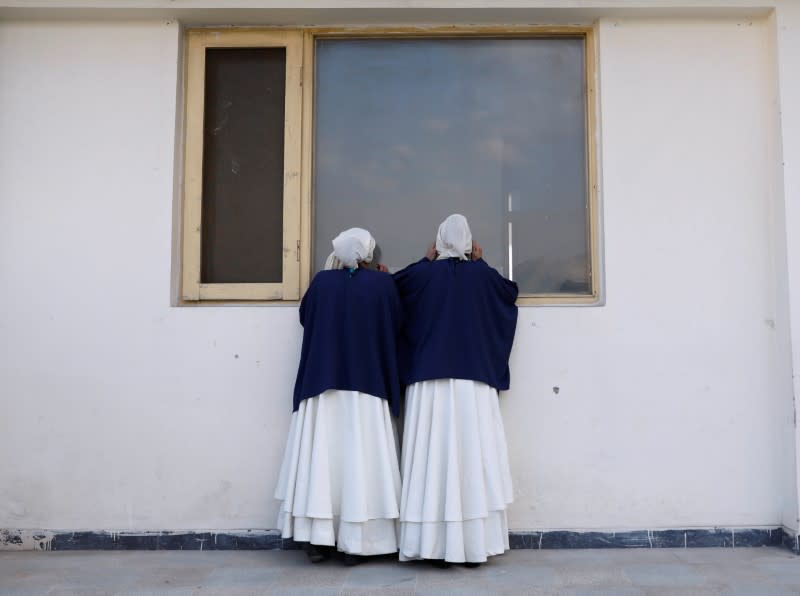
(350, 332)
(460, 318)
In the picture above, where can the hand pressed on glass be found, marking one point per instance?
(431, 254)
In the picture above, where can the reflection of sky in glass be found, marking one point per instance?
(409, 131)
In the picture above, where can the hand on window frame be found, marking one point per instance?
(477, 251)
(431, 254)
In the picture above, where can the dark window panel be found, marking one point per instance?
(242, 225)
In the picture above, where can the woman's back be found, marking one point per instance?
(351, 322)
(460, 321)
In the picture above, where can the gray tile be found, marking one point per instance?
(384, 576)
(91, 580)
(456, 579)
(593, 576)
(715, 556)
(759, 570)
(787, 570)
(666, 574)
(289, 559)
(241, 578)
(159, 592)
(524, 591)
(758, 589)
(600, 557)
(377, 591)
(72, 591)
(452, 590)
(521, 576)
(305, 591)
(610, 591)
(172, 579)
(731, 575)
(10, 589)
(322, 576)
(12, 575)
(686, 591)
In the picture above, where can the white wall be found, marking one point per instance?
(787, 230)
(122, 412)
(668, 408)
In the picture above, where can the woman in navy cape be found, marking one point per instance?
(460, 318)
(339, 483)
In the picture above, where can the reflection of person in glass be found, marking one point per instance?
(340, 482)
(460, 318)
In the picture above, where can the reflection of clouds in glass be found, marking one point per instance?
(372, 182)
(502, 150)
(329, 160)
(492, 148)
(437, 124)
(402, 150)
(409, 131)
(554, 274)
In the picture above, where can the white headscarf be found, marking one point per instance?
(350, 248)
(454, 238)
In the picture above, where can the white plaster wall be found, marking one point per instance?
(669, 406)
(121, 412)
(787, 31)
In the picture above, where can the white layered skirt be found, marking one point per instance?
(340, 481)
(456, 477)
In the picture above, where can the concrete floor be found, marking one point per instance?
(759, 571)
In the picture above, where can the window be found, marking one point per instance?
(391, 132)
(241, 216)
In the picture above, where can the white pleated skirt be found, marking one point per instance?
(456, 477)
(340, 481)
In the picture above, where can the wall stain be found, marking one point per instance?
(7, 537)
(25, 539)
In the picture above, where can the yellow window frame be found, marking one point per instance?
(298, 149)
(192, 287)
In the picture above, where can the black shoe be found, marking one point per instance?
(315, 554)
(351, 560)
(440, 563)
(470, 565)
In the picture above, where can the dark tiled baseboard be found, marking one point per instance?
(694, 538)
(790, 540)
(256, 540)
(153, 540)
(271, 539)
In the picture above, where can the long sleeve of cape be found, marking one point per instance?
(350, 332)
(460, 319)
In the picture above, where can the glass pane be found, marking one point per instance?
(408, 131)
(242, 225)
